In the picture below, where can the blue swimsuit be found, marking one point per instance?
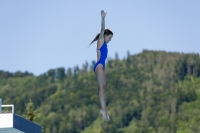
(104, 53)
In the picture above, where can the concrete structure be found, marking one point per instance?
(12, 123)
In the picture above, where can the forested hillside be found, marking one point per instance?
(149, 92)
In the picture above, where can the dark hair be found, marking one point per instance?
(106, 32)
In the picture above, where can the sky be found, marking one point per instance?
(40, 35)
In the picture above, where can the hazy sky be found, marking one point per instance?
(38, 35)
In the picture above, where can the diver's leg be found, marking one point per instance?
(101, 78)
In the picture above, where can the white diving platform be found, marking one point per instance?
(12, 123)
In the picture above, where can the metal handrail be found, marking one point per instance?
(11, 105)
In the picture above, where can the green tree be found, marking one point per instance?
(61, 73)
(30, 113)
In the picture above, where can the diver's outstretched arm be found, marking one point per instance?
(101, 36)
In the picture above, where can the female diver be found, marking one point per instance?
(103, 38)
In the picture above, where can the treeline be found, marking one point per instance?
(149, 92)
(6, 74)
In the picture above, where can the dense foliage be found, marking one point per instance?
(149, 92)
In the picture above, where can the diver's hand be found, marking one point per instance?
(103, 14)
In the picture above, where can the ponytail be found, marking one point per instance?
(106, 32)
(95, 39)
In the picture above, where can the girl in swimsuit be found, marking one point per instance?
(103, 38)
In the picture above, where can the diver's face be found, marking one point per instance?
(108, 38)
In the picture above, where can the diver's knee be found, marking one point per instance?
(103, 86)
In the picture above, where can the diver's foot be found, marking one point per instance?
(105, 114)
